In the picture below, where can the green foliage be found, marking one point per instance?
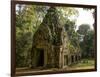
(87, 43)
(83, 29)
(73, 43)
(65, 13)
(70, 47)
(73, 35)
(28, 20)
(70, 25)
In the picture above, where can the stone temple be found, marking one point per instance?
(49, 49)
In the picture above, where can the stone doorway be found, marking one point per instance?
(72, 59)
(40, 57)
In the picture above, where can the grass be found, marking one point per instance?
(84, 64)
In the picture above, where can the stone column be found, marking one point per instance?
(74, 58)
(69, 59)
(61, 58)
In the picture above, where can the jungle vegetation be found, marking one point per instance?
(28, 20)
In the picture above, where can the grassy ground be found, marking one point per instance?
(83, 64)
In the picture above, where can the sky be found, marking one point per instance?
(85, 17)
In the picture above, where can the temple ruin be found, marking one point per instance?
(49, 49)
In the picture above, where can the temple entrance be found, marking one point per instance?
(40, 57)
(72, 58)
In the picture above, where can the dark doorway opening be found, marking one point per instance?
(40, 57)
(76, 58)
(72, 58)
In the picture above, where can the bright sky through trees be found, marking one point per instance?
(85, 17)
